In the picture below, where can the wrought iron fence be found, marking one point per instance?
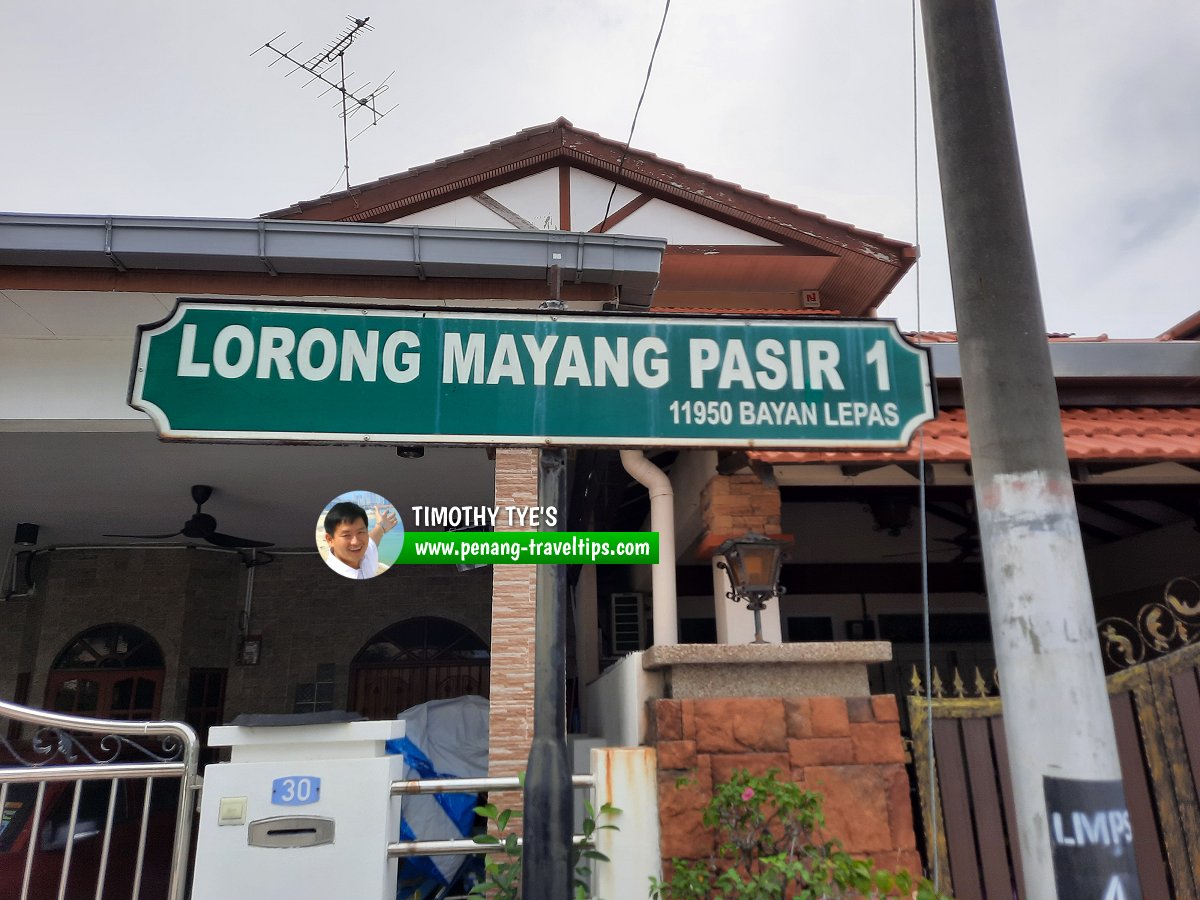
(83, 811)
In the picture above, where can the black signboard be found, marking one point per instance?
(1092, 840)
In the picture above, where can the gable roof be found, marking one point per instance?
(868, 264)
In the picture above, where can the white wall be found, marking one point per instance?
(659, 218)
(617, 702)
(589, 197)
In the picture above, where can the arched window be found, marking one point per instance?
(111, 671)
(417, 660)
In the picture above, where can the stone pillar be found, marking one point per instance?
(510, 721)
(846, 749)
(802, 709)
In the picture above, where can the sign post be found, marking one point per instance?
(546, 857)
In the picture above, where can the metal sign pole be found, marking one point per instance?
(546, 856)
(1072, 819)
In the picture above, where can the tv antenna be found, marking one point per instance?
(319, 66)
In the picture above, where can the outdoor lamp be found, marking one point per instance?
(753, 563)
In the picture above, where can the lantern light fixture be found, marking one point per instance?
(753, 563)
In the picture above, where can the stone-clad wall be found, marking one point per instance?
(190, 601)
(849, 750)
(308, 616)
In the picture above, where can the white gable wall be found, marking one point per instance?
(589, 196)
(463, 213)
(533, 198)
(682, 226)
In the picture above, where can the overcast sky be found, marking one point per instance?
(148, 107)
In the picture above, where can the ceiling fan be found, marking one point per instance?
(965, 546)
(202, 526)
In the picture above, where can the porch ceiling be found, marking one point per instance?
(79, 486)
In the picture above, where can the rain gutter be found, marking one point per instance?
(284, 247)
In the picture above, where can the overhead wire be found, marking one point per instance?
(922, 512)
(637, 109)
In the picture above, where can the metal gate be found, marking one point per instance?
(94, 808)
(1156, 712)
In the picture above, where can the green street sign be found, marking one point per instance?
(328, 374)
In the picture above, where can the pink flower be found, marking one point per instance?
(747, 793)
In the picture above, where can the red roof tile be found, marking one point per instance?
(1141, 434)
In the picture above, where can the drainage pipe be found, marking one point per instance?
(662, 520)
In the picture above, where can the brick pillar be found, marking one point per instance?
(513, 598)
(732, 505)
(846, 749)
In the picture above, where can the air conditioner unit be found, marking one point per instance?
(628, 623)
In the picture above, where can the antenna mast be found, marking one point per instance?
(319, 66)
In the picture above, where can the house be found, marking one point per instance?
(96, 622)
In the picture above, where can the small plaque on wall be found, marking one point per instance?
(250, 650)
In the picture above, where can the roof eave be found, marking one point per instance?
(125, 243)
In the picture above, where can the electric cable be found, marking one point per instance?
(921, 498)
(637, 109)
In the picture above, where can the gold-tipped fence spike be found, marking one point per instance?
(981, 688)
(959, 687)
(938, 690)
(915, 683)
(996, 681)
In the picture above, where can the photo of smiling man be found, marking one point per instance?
(349, 537)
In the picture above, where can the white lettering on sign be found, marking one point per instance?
(187, 350)
(245, 341)
(405, 366)
(651, 372)
(462, 365)
(1083, 829)
(731, 364)
(548, 361)
(355, 354)
(772, 413)
(313, 338)
(611, 362)
(775, 366)
(851, 414)
(275, 345)
(506, 363)
(823, 358)
(540, 354)
(276, 353)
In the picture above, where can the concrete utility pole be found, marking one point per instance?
(1072, 818)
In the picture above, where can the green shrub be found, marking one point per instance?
(504, 868)
(768, 847)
